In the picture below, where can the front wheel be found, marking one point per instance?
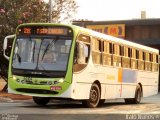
(94, 98)
(41, 100)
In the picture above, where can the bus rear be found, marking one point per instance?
(40, 61)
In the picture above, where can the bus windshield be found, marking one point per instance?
(42, 53)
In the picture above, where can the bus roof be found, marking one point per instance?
(97, 34)
(117, 40)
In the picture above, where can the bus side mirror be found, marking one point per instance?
(5, 45)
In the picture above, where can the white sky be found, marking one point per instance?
(117, 9)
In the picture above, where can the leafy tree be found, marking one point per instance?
(14, 12)
(63, 10)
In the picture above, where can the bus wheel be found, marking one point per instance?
(94, 98)
(138, 95)
(101, 102)
(137, 98)
(41, 100)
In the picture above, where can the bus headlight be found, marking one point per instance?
(58, 81)
(14, 77)
(61, 80)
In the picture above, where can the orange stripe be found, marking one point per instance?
(120, 75)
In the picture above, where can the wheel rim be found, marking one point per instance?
(94, 96)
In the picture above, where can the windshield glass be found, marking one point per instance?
(45, 53)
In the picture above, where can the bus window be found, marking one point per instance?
(150, 57)
(154, 63)
(106, 47)
(116, 55)
(82, 51)
(137, 54)
(133, 59)
(84, 38)
(106, 56)
(116, 49)
(110, 48)
(133, 53)
(126, 59)
(96, 51)
(129, 52)
(146, 58)
(122, 50)
(126, 52)
(141, 61)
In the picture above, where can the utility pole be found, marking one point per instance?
(50, 11)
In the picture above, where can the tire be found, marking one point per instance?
(137, 98)
(94, 98)
(138, 95)
(101, 102)
(129, 100)
(41, 101)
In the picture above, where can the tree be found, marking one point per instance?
(64, 10)
(15, 12)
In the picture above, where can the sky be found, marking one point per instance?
(99, 10)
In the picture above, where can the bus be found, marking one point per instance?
(58, 61)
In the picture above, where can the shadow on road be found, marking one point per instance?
(75, 105)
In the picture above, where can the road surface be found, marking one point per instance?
(149, 109)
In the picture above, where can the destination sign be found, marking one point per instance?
(44, 30)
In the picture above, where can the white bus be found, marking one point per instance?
(82, 65)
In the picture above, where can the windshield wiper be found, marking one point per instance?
(19, 58)
(17, 54)
(34, 50)
(48, 47)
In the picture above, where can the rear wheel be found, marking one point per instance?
(94, 98)
(138, 95)
(41, 100)
(101, 102)
(137, 98)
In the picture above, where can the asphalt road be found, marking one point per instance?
(149, 109)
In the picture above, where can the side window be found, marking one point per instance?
(82, 51)
(141, 60)
(96, 50)
(147, 57)
(137, 54)
(157, 59)
(125, 51)
(106, 55)
(155, 64)
(133, 58)
(106, 47)
(140, 55)
(133, 53)
(126, 63)
(110, 48)
(129, 52)
(144, 56)
(122, 50)
(116, 55)
(116, 49)
(150, 57)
